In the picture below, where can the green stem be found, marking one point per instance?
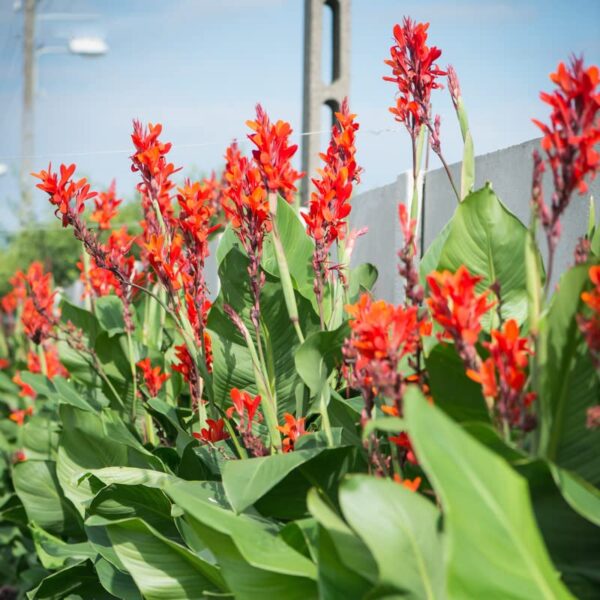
(150, 435)
(323, 402)
(133, 377)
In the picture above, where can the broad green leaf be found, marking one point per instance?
(232, 366)
(131, 476)
(580, 495)
(495, 549)
(254, 561)
(397, 523)
(298, 248)
(38, 488)
(346, 567)
(362, 279)
(75, 582)
(40, 437)
(162, 569)
(387, 424)
(116, 582)
(81, 318)
(54, 552)
(109, 312)
(91, 442)
(568, 384)
(319, 355)
(572, 540)
(486, 237)
(454, 392)
(488, 435)
(117, 502)
(247, 481)
(430, 260)
(62, 390)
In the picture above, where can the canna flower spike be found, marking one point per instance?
(503, 376)
(414, 72)
(273, 154)
(152, 377)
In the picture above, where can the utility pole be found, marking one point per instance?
(316, 92)
(27, 115)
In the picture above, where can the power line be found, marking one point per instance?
(175, 146)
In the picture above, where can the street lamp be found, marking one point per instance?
(88, 46)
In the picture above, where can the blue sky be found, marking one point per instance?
(199, 66)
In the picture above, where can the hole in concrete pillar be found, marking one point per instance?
(327, 71)
(334, 6)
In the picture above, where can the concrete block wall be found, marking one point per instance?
(508, 169)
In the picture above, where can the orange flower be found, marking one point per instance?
(409, 484)
(414, 72)
(26, 389)
(18, 416)
(292, 430)
(53, 365)
(503, 375)
(590, 326)
(106, 206)
(381, 335)
(15, 297)
(329, 207)
(64, 191)
(152, 376)
(38, 309)
(273, 154)
(151, 162)
(455, 304)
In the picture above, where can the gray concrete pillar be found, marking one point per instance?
(317, 92)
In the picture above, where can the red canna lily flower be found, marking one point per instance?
(15, 297)
(185, 366)
(329, 207)
(245, 406)
(4, 363)
(106, 206)
(63, 191)
(150, 161)
(458, 308)
(381, 335)
(214, 433)
(19, 456)
(570, 142)
(590, 326)
(26, 390)
(153, 378)
(292, 430)
(54, 367)
(414, 72)
(38, 309)
(403, 441)
(503, 375)
(18, 416)
(593, 417)
(273, 154)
